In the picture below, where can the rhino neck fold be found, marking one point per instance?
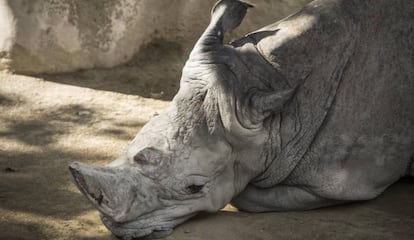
(256, 144)
(305, 117)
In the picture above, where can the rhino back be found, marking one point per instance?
(353, 61)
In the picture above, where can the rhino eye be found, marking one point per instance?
(193, 189)
(148, 156)
(140, 159)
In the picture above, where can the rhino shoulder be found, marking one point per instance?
(317, 34)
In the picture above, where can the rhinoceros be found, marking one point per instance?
(312, 111)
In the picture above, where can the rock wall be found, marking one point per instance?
(51, 36)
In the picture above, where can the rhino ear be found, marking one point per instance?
(229, 13)
(263, 104)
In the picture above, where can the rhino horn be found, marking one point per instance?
(93, 183)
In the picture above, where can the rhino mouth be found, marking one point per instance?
(137, 230)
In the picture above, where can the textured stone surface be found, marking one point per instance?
(39, 36)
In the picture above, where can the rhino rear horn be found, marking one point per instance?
(263, 104)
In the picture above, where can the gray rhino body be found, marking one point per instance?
(315, 110)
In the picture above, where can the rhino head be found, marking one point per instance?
(198, 154)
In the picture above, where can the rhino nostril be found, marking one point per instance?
(98, 197)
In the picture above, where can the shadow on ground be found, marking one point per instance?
(27, 231)
(154, 72)
(37, 143)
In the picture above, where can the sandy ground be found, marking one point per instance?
(46, 122)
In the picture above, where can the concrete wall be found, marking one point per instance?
(49, 36)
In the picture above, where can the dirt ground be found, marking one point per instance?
(46, 122)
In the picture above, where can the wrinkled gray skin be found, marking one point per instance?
(308, 112)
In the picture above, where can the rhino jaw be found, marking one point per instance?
(135, 230)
